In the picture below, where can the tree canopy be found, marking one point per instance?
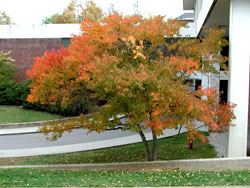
(76, 12)
(4, 18)
(6, 67)
(140, 67)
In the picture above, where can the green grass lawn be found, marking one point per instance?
(70, 178)
(172, 148)
(16, 114)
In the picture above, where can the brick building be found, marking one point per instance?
(28, 41)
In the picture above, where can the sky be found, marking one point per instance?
(34, 11)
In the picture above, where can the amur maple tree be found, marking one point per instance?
(140, 67)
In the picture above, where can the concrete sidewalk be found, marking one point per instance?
(27, 127)
(23, 130)
(83, 146)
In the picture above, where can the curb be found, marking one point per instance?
(32, 127)
(40, 123)
(194, 164)
(15, 131)
(25, 128)
(32, 124)
(28, 127)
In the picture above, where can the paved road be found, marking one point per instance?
(36, 140)
(18, 145)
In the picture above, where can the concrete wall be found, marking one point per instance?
(39, 31)
(190, 30)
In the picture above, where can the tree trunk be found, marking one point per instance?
(190, 143)
(145, 143)
(154, 149)
(179, 130)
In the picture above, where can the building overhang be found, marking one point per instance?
(188, 4)
(218, 15)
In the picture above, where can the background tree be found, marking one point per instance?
(76, 12)
(4, 18)
(49, 20)
(136, 8)
(111, 9)
(6, 67)
(91, 11)
(139, 67)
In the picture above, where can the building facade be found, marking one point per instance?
(29, 41)
(233, 16)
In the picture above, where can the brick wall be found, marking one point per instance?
(25, 50)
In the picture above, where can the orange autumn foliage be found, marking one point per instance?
(139, 67)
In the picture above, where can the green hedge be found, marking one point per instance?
(13, 94)
(16, 94)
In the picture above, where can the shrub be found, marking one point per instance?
(16, 94)
(12, 93)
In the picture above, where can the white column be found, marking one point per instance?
(239, 58)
